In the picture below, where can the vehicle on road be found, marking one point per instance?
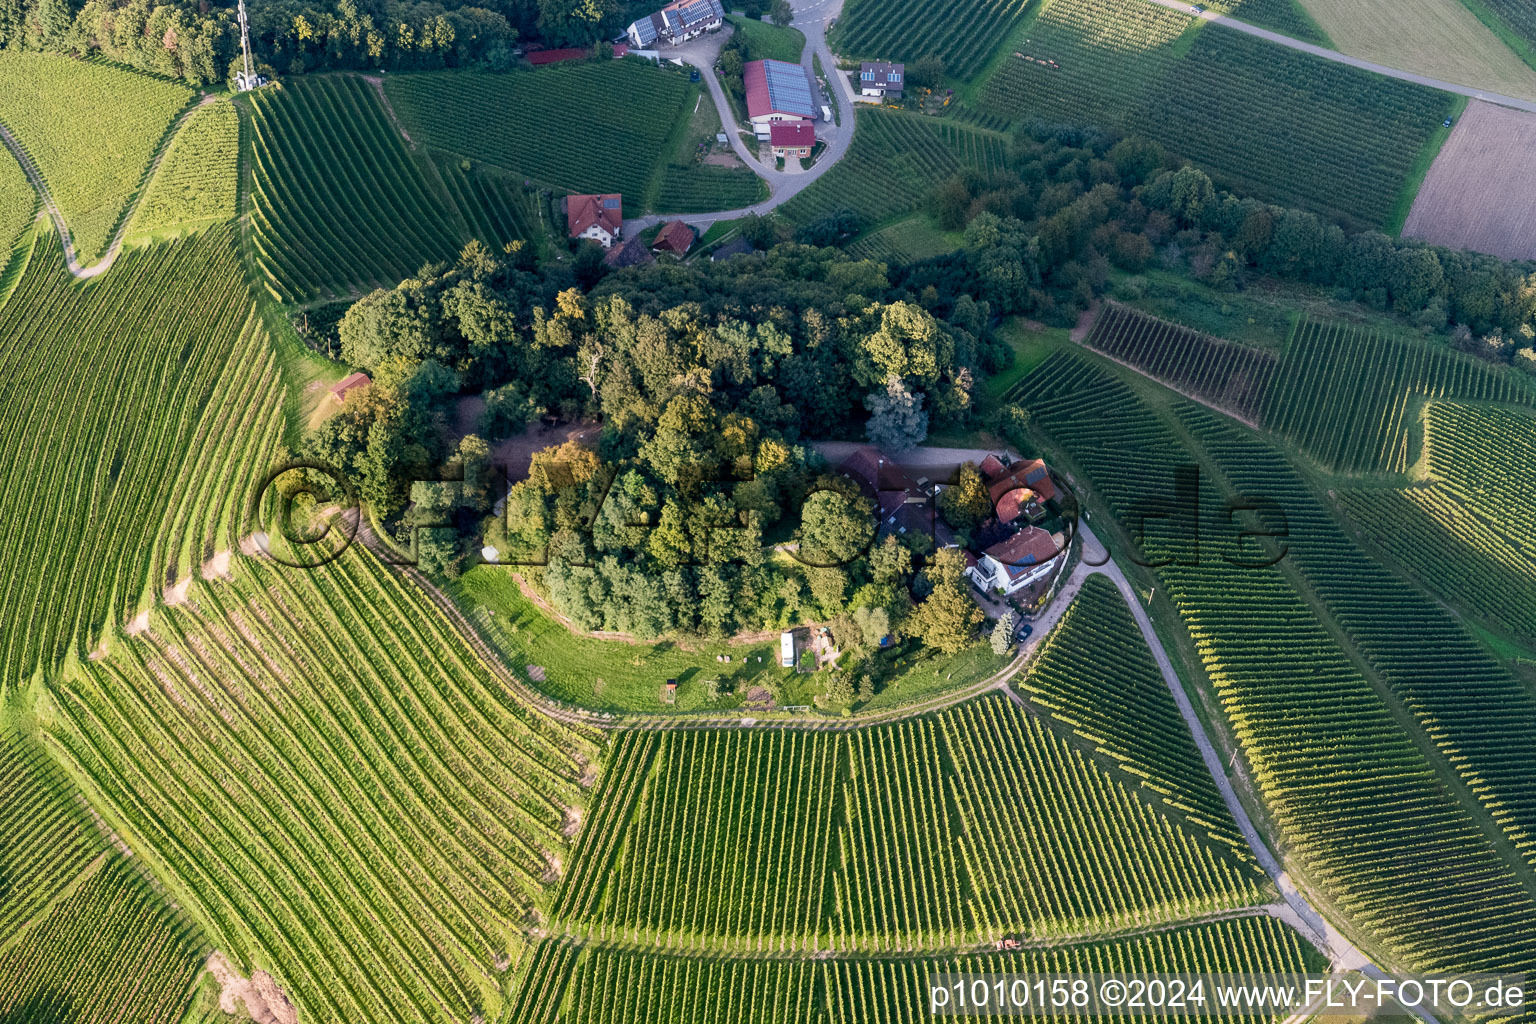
(1024, 633)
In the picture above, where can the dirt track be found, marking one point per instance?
(1480, 193)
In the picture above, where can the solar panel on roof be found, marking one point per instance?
(610, 204)
(788, 89)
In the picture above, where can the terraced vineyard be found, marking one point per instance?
(323, 772)
(1232, 377)
(895, 163)
(339, 204)
(91, 129)
(497, 208)
(894, 838)
(1426, 881)
(197, 181)
(1348, 397)
(1097, 678)
(963, 32)
(590, 986)
(616, 144)
(1351, 137)
(44, 844)
(160, 403)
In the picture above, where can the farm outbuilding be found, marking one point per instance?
(777, 91)
(348, 384)
(675, 237)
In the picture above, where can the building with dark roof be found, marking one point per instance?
(792, 139)
(632, 253)
(777, 91)
(877, 78)
(737, 246)
(676, 23)
(598, 217)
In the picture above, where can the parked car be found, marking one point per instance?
(1024, 632)
(1446, 123)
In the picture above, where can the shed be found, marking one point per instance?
(348, 384)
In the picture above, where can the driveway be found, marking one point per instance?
(811, 19)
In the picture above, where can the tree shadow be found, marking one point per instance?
(44, 1007)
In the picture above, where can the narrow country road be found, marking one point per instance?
(811, 19)
(1342, 58)
(108, 258)
(1300, 913)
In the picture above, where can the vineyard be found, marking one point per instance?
(1097, 678)
(330, 780)
(43, 844)
(1348, 396)
(1453, 551)
(495, 205)
(1229, 376)
(1285, 16)
(1125, 65)
(18, 204)
(963, 32)
(197, 181)
(931, 834)
(1484, 457)
(109, 947)
(906, 241)
(340, 205)
(1515, 15)
(582, 127)
(894, 164)
(91, 129)
(160, 403)
(1427, 881)
(703, 188)
(592, 986)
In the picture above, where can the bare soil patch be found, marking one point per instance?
(264, 1001)
(1480, 193)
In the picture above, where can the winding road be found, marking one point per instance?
(35, 176)
(811, 19)
(1344, 58)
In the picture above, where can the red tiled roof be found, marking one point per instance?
(1012, 503)
(792, 133)
(541, 57)
(1030, 546)
(674, 236)
(1032, 474)
(581, 212)
(990, 467)
(349, 383)
(755, 77)
(621, 49)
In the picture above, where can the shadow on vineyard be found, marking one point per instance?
(39, 1008)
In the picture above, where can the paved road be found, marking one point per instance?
(1342, 58)
(810, 19)
(35, 176)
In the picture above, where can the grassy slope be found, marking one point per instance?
(91, 129)
(769, 41)
(1513, 21)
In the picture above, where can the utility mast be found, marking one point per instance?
(246, 79)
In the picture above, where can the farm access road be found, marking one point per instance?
(1343, 58)
(40, 186)
(782, 185)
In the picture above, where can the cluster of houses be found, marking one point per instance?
(600, 218)
(1013, 549)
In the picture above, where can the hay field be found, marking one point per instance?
(1480, 193)
(1438, 38)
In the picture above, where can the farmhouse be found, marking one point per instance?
(599, 217)
(348, 384)
(676, 23)
(905, 506)
(792, 139)
(675, 237)
(1016, 562)
(1015, 488)
(777, 91)
(880, 79)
